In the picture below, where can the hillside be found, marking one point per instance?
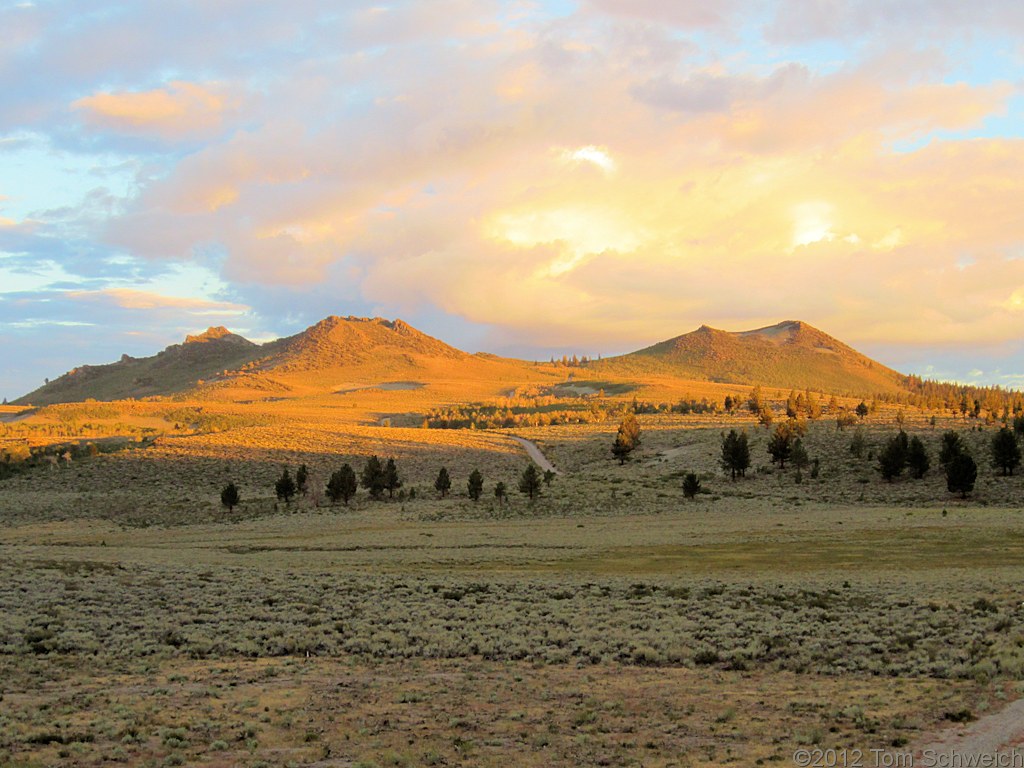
(329, 356)
(177, 368)
(788, 354)
(337, 342)
(340, 354)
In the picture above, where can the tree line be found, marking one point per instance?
(378, 478)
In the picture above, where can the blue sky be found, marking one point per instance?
(525, 178)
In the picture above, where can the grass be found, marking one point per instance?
(611, 622)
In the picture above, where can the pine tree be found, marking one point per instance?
(500, 492)
(529, 482)
(627, 438)
(952, 446)
(917, 457)
(691, 485)
(285, 486)
(798, 455)
(792, 406)
(735, 454)
(475, 485)
(372, 478)
(630, 427)
(301, 478)
(621, 448)
(858, 443)
(229, 497)
(391, 480)
(443, 483)
(342, 484)
(893, 458)
(754, 402)
(1005, 451)
(862, 410)
(780, 445)
(961, 472)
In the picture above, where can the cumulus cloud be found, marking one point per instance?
(609, 176)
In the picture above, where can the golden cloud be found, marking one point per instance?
(181, 110)
(128, 298)
(580, 192)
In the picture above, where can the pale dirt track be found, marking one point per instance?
(994, 738)
(535, 453)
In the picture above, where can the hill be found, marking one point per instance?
(341, 354)
(328, 356)
(790, 354)
(177, 368)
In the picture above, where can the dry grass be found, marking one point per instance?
(333, 712)
(611, 622)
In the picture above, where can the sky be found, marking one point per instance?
(525, 178)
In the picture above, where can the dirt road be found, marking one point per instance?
(535, 453)
(994, 738)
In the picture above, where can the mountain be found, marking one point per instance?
(333, 352)
(345, 353)
(790, 354)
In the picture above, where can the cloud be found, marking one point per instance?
(181, 110)
(803, 20)
(127, 298)
(610, 175)
(685, 14)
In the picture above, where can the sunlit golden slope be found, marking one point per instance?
(789, 354)
(175, 369)
(344, 355)
(335, 355)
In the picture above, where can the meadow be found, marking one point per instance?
(610, 622)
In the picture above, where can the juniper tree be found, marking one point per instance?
(500, 492)
(301, 478)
